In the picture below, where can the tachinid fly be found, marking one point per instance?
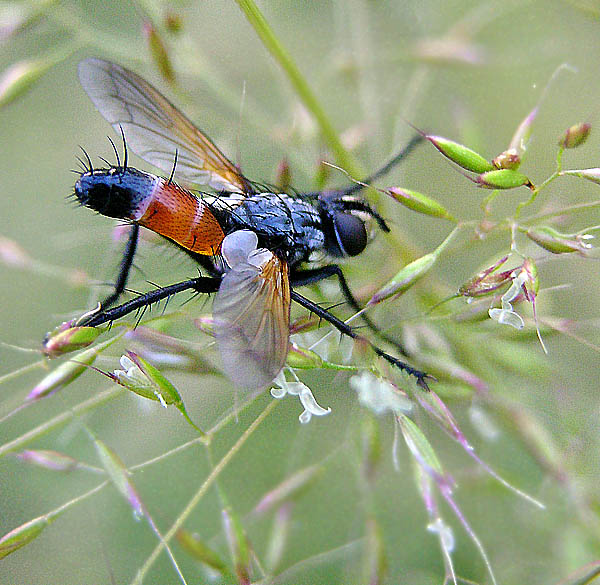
(250, 244)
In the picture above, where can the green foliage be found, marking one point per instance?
(355, 494)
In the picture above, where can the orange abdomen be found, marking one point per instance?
(179, 215)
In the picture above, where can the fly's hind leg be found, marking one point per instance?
(201, 284)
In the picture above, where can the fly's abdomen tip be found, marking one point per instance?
(122, 193)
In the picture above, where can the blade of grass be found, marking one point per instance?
(300, 85)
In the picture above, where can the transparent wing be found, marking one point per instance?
(252, 320)
(155, 129)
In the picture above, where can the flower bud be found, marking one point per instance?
(509, 159)
(302, 358)
(198, 549)
(463, 156)
(63, 374)
(487, 281)
(575, 135)
(65, 339)
(158, 51)
(589, 174)
(119, 476)
(283, 177)
(503, 179)
(22, 535)
(419, 202)
(48, 459)
(557, 243)
(290, 489)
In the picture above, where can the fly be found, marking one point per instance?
(252, 244)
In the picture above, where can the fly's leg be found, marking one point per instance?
(387, 167)
(345, 329)
(124, 270)
(202, 284)
(311, 276)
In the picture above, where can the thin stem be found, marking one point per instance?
(305, 93)
(139, 578)
(60, 420)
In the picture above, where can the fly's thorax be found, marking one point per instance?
(290, 226)
(118, 192)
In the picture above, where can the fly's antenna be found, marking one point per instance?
(89, 169)
(115, 151)
(125, 153)
(173, 169)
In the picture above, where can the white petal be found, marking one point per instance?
(310, 404)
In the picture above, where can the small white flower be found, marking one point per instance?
(304, 393)
(133, 378)
(506, 315)
(379, 395)
(445, 533)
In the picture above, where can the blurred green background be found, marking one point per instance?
(467, 70)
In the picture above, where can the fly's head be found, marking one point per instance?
(345, 220)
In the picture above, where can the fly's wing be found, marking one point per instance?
(156, 129)
(252, 320)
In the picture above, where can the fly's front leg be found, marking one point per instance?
(125, 268)
(311, 276)
(347, 330)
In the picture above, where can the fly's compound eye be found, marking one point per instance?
(350, 232)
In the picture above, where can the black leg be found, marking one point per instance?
(202, 284)
(126, 264)
(347, 330)
(386, 168)
(310, 276)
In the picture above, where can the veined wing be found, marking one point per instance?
(155, 129)
(252, 315)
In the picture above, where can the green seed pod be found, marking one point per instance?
(589, 174)
(410, 274)
(503, 179)
(557, 243)
(419, 203)
(463, 156)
